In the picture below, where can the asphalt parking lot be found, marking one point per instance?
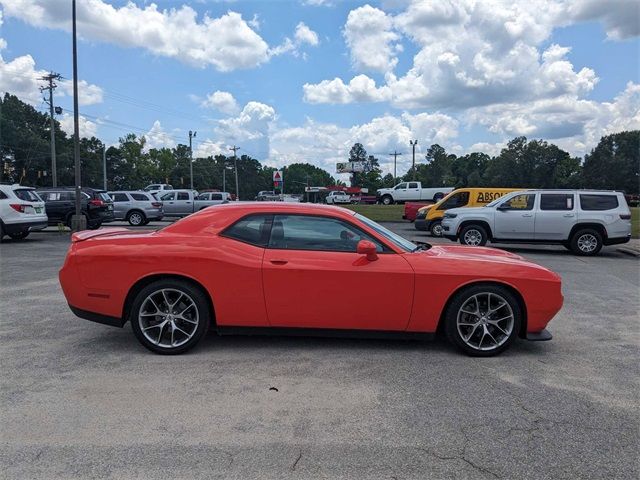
(82, 400)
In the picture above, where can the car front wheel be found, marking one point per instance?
(170, 316)
(436, 229)
(483, 320)
(586, 242)
(473, 236)
(387, 200)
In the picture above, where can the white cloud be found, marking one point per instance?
(222, 101)
(88, 94)
(226, 43)
(157, 137)
(621, 18)
(209, 148)
(250, 128)
(87, 128)
(370, 38)
(318, 3)
(359, 89)
(305, 35)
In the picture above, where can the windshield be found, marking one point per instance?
(394, 238)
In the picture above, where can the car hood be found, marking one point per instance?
(467, 210)
(476, 252)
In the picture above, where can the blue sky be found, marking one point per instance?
(464, 74)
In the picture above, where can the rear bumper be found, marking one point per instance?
(25, 226)
(617, 241)
(97, 317)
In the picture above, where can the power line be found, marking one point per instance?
(395, 158)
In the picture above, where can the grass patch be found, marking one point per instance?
(379, 213)
(635, 222)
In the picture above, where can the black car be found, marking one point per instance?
(60, 204)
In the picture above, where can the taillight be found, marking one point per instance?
(97, 203)
(19, 207)
(156, 204)
(622, 216)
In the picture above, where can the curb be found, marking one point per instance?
(629, 251)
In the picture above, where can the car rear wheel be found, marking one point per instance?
(19, 235)
(438, 196)
(1, 231)
(136, 218)
(170, 316)
(586, 242)
(436, 229)
(473, 236)
(483, 320)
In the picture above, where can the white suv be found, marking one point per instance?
(581, 220)
(337, 197)
(21, 211)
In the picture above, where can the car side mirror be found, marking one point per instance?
(503, 207)
(365, 247)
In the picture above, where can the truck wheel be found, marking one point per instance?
(436, 229)
(473, 236)
(438, 196)
(586, 242)
(387, 200)
(136, 218)
(20, 235)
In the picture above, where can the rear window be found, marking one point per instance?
(141, 197)
(120, 197)
(598, 202)
(27, 195)
(556, 201)
(104, 196)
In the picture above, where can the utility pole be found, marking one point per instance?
(235, 164)
(413, 144)
(104, 164)
(78, 222)
(224, 173)
(395, 158)
(191, 135)
(50, 78)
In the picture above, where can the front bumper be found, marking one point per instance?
(422, 224)
(97, 317)
(541, 336)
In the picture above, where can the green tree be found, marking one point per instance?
(357, 154)
(614, 163)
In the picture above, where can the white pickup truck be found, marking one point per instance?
(410, 192)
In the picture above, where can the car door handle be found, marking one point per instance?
(568, 215)
(527, 214)
(279, 262)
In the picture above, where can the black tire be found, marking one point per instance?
(1, 231)
(93, 226)
(474, 231)
(136, 218)
(586, 242)
(146, 222)
(19, 235)
(454, 334)
(186, 288)
(436, 229)
(438, 196)
(387, 200)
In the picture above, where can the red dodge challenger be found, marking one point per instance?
(279, 268)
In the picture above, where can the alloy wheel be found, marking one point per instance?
(587, 243)
(485, 321)
(436, 230)
(473, 237)
(168, 318)
(135, 219)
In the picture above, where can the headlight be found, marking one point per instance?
(450, 215)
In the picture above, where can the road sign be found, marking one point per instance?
(277, 176)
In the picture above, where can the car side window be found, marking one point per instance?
(253, 229)
(168, 196)
(183, 196)
(67, 196)
(119, 197)
(309, 232)
(594, 202)
(402, 186)
(459, 199)
(141, 197)
(556, 201)
(202, 196)
(413, 185)
(2, 195)
(519, 202)
(216, 196)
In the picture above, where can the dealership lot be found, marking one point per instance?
(85, 400)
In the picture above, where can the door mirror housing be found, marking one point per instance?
(365, 247)
(503, 207)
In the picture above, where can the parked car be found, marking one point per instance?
(430, 217)
(286, 257)
(180, 203)
(410, 192)
(137, 208)
(218, 197)
(336, 197)
(60, 203)
(21, 211)
(267, 196)
(156, 188)
(581, 220)
(411, 209)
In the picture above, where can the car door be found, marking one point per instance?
(169, 203)
(184, 203)
(413, 191)
(121, 204)
(313, 277)
(515, 218)
(400, 192)
(555, 216)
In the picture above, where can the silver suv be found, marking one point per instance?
(137, 208)
(581, 220)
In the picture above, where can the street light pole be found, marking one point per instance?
(413, 144)
(235, 165)
(78, 221)
(104, 165)
(191, 135)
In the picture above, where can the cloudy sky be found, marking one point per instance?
(303, 80)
